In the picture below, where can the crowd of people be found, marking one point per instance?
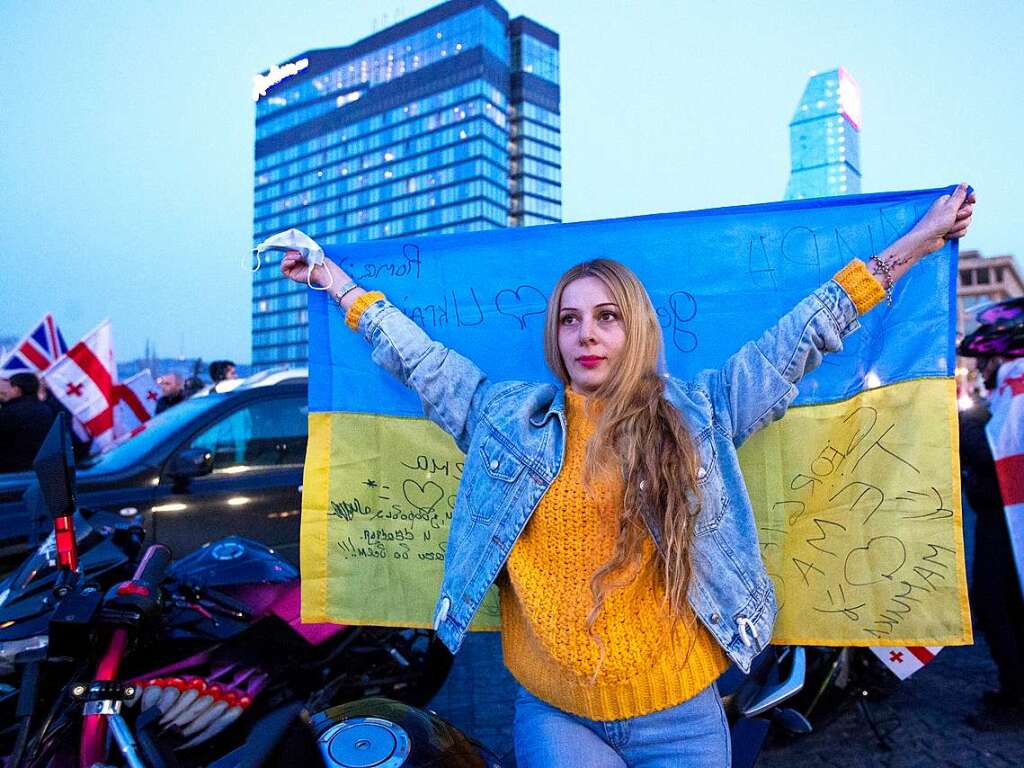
(27, 410)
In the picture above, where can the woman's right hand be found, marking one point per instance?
(330, 275)
(294, 267)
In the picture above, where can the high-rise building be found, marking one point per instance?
(445, 122)
(824, 138)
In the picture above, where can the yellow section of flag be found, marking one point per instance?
(857, 505)
(373, 543)
(859, 518)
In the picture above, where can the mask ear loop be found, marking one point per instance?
(259, 262)
(309, 276)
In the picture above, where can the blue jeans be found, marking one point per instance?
(694, 734)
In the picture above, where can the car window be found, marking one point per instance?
(133, 449)
(264, 433)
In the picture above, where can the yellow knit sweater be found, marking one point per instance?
(545, 599)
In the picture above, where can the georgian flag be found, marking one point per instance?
(1005, 432)
(135, 402)
(85, 381)
(36, 351)
(905, 661)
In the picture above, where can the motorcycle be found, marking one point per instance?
(754, 702)
(182, 663)
(840, 677)
(204, 662)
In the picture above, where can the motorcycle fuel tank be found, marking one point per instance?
(382, 733)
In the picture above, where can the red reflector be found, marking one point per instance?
(131, 588)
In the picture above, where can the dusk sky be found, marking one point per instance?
(126, 131)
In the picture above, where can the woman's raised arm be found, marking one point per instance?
(757, 384)
(452, 389)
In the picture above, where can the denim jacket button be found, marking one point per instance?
(494, 464)
(701, 473)
(715, 617)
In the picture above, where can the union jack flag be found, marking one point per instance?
(37, 351)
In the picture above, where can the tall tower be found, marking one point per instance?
(824, 138)
(445, 122)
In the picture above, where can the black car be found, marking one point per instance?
(212, 466)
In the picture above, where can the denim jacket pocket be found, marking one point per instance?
(709, 485)
(493, 487)
(706, 449)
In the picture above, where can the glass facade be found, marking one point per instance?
(535, 139)
(824, 138)
(446, 122)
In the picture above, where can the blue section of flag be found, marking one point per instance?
(717, 278)
(14, 364)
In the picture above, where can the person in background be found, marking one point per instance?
(995, 589)
(24, 422)
(222, 370)
(173, 388)
(5, 391)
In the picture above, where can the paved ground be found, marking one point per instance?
(923, 719)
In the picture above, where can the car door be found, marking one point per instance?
(254, 489)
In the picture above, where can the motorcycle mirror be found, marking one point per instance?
(791, 721)
(773, 695)
(54, 466)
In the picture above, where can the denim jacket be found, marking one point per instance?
(513, 435)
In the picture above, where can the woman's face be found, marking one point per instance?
(591, 334)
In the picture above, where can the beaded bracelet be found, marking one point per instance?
(885, 267)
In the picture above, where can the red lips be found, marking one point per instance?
(589, 361)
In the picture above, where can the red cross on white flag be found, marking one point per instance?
(136, 402)
(905, 661)
(85, 380)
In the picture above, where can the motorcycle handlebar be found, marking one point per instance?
(152, 570)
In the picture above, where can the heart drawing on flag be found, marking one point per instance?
(876, 561)
(520, 303)
(422, 497)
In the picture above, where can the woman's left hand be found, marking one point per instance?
(947, 219)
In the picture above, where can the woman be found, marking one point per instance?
(612, 512)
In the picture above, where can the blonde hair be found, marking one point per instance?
(640, 434)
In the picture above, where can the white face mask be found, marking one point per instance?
(296, 240)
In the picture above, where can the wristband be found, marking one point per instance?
(346, 288)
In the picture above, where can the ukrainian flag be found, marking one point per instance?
(856, 490)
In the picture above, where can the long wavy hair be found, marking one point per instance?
(640, 434)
